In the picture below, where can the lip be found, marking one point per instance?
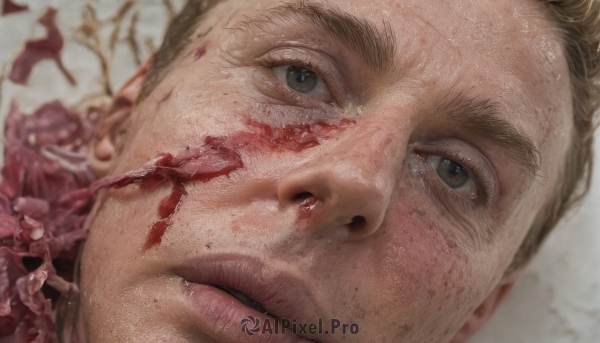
(219, 314)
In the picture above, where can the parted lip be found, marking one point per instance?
(281, 294)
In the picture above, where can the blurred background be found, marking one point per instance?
(558, 297)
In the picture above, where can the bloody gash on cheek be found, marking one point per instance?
(217, 156)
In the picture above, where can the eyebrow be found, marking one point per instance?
(376, 47)
(482, 117)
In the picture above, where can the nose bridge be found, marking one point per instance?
(347, 185)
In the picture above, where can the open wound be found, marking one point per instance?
(216, 156)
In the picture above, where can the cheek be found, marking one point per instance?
(424, 268)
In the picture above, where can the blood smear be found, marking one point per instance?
(218, 156)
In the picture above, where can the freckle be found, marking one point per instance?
(200, 52)
(451, 244)
(431, 293)
(208, 245)
(225, 93)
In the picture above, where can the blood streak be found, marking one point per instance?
(217, 156)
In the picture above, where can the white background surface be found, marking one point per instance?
(558, 297)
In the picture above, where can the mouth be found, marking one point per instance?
(246, 300)
(227, 290)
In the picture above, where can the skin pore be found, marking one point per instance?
(374, 225)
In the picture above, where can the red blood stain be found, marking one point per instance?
(289, 138)
(200, 52)
(218, 156)
(157, 232)
(167, 208)
(307, 206)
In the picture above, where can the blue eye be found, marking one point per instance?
(452, 173)
(304, 81)
(301, 80)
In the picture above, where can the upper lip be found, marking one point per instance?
(280, 293)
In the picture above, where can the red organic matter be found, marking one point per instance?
(44, 201)
(38, 50)
(9, 7)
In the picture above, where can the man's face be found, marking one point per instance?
(401, 222)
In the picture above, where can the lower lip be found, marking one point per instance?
(220, 316)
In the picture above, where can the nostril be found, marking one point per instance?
(357, 223)
(303, 196)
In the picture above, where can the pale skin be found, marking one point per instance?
(427, 263)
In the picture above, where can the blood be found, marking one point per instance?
(307, 206)
(167, 208)
(217, 156)
(200, 52)
(294, 138)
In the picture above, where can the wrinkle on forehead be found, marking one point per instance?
(519, 58)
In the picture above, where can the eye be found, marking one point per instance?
(301, 80)
(305, 81)
(454, 175)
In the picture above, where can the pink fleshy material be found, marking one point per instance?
(9, 7)
(44, 201)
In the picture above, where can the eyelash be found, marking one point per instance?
(475, 170)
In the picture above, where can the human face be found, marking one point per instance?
(401, 218)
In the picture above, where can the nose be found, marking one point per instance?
(345, 187)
